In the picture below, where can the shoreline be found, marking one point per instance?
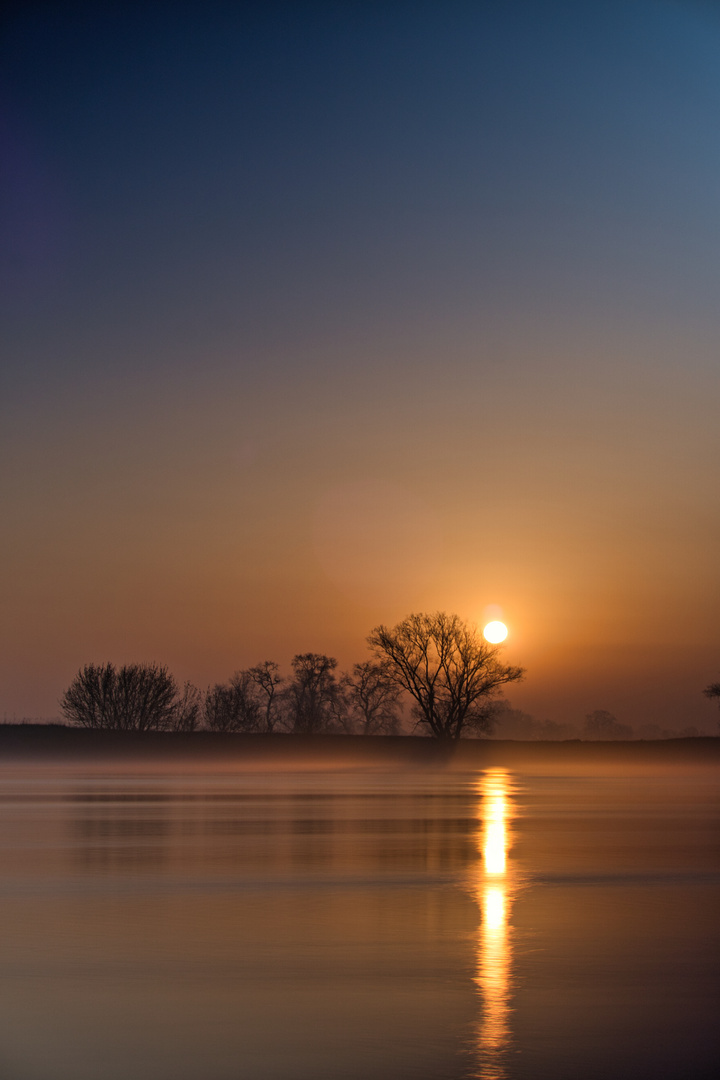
(40, 742)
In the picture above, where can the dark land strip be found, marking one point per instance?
(47, 742)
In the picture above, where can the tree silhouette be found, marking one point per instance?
(312, 696)
(603, 725)
(268, 679)
(450, 672)
(186, 710)
(371, 700)
(135, 697)
(249, 702)
(713, 691)
(233, 706)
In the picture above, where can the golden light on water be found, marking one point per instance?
(495, 632)
(495, 841)
(494, 909)
(493, 952)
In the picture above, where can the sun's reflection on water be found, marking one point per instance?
(493, 955)
(494, 811)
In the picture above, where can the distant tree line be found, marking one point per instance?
(312, 701)
(443, 668)
(440, 667)
(597, 726)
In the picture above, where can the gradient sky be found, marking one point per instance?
(317, 314)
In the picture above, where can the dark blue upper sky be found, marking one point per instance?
(258, 163)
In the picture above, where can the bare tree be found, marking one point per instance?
(713, 691)
(450, 672)
(248, 702)
(312, 696)
(371, 699)
(233, 706)
(186, 710)
(268, 679)
(135, 697)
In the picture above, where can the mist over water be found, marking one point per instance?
(209, 922)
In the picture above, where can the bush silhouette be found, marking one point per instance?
(134, 697)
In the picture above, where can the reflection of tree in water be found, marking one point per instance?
(224, 832)
(120, 843)
(493, 883)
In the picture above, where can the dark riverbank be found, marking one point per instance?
(50, 742)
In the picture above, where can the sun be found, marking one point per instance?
(495, 632)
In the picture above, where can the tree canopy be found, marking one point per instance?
(312, 696)
(713, 691)
(370, 697)
(447, 668)
(134, 697)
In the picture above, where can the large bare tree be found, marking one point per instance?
(447, 668)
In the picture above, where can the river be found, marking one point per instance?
(213, 923)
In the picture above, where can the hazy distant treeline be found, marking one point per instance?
(509, 723)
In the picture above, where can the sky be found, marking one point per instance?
(318, 314)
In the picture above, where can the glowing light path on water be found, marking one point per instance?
(493, 951)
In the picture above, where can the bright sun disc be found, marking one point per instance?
(495, 632)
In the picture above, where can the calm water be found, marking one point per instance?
(353, 924)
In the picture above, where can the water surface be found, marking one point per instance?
(209, 924)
